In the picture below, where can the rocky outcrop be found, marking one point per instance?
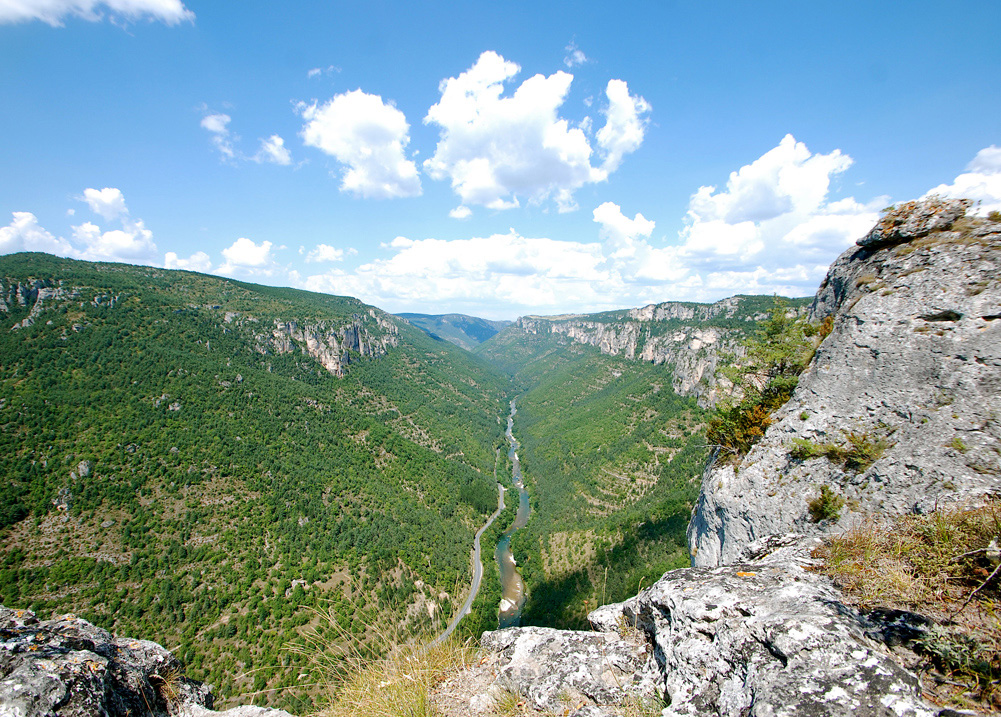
(67, 667)
(584, 674)
(765, 636)
(332, 346)
(672, 333)
(911, 374)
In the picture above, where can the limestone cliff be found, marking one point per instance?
(912, 370)
(693, 339)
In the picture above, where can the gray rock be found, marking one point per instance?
(916, 219)
(67, 667)
(764, 637)
(914, 360)
(557, 669)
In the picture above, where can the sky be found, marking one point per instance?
(487, 158)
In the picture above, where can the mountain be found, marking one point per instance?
(207, 463)
(611, 420)
(466, 332)
(844, 542)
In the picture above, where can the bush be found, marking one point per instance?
(776, 356)
(862, 450)
(826, 506)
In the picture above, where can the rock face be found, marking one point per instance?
(557, 669)
(764, 636)
(70, 668)
(912, 370)
(330, 346)
(669, 333)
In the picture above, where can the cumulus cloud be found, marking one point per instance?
(497, 149)
(273, 150)
(326, 253)
(475, 275)
(245, 258)
(25, 234)
(130, 242)
(53, 12)
(108, 202)
(774, 226)
(199, 261)
(217, 125)
(461, 212)
(980, 182)
(625, 126)
(574, 57)
(369, 137)
(133, 243)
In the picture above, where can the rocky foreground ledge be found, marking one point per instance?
(765, 636)
(68, 667)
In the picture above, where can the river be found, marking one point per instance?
(512, 586)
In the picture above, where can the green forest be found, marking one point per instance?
(222, 467)
(167, 473)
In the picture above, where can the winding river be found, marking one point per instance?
(512, 586)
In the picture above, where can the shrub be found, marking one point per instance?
(994, 216)
(826, 506)
(861, 451)
(776, 356)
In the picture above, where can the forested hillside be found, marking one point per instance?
(467, 332)
(205, 463)
(612, 452)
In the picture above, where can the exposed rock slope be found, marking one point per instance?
(692, 338)
(764, 636)
(67, 667)
(913, 365)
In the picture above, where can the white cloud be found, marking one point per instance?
(325, 252)
(498, 149)
(108, 202)
(314, 72)
(133, 243)
(475, 275)
(461, 212)
(318, 71)
(54, 12)
(218, 126)
(981, 182)
(273, 150)
(574, 57)
(199, 261)
(245, 258)
(24, 234)
(625, 126)
(370, 137)
(773, 229)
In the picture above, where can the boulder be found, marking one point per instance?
(765, 636)
(67, 667)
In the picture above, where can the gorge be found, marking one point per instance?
(737, 617)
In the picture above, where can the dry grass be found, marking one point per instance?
(386, 674)
(941, 565)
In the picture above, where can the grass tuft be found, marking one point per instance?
(942, 565)
(386, 674)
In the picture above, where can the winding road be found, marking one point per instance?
(477, 571)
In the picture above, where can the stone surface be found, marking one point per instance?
(912, 220)
(564, 670)
(914, 360)
(764, 636)
(694, 352)
(67, 667)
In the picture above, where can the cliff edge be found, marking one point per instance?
(908, 382)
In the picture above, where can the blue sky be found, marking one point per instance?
(496, 159)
